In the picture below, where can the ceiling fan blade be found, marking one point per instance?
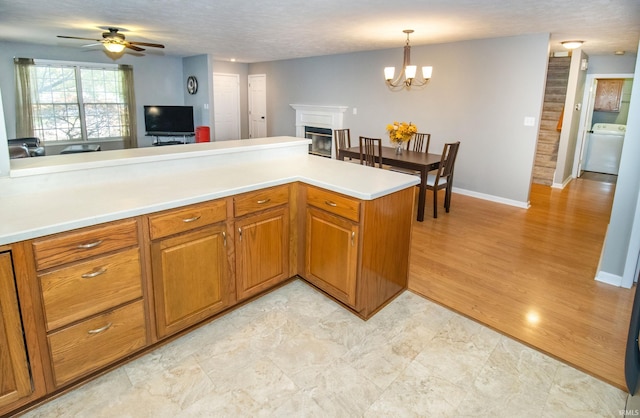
(146, 44)
(135, 48)
(75, 37)
(90, 45)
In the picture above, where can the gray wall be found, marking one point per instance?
(570, 120)
(197, 66)
(479, 94)
(623, 212)
(157, 78)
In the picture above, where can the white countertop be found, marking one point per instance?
(89, 190)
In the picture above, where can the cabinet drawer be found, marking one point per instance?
(335, 203)
(96, 342)
(74, 293)
(187, 218)
(87, 242)
(260, 200)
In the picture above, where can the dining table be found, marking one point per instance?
(412, 160)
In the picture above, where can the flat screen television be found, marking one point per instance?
(168, 120)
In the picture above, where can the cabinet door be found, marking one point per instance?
(262, 251)
(15, 381)
(331, 259)
(190, 278)
(608, 95)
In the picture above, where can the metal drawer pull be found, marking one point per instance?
(94, 273)
(263, 201)
(89, 245)
(99, 330)
(330, 203)
(195, 218)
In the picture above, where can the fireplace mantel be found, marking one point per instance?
(319, 116)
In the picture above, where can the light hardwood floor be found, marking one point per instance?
(529, 273)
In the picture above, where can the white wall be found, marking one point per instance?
(480, 93)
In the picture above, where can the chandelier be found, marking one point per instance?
(408, 71)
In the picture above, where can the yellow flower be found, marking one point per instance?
(401, 131)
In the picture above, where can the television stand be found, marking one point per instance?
(173, 141)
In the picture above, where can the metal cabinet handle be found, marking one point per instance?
(330, 203)
(240, 233)
(94, 273)
(89, 245)
(263, 201)
(224, 238)
(99, 330)
(195, 218)
(353, 238)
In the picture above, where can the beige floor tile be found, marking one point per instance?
(296, 353)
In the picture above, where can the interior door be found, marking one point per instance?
(226, 106)
(257, 105)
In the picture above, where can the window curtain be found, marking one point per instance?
(127, 88)
(24, 105)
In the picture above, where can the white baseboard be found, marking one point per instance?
(510, 202)
(608, 278)
(563, 184)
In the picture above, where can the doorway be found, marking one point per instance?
(226, 106)
(591, 116)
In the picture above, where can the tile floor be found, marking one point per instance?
(296, 353)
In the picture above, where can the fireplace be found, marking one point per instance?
(321, 140)
(316, 122)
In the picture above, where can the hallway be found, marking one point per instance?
(530, 273)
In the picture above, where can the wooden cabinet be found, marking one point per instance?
(358, 251)
(189, 257)
(15, 380)
(331, 244)
(261, 240)
(608, 95)
(90, 284)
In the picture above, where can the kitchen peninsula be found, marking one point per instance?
(104, 256)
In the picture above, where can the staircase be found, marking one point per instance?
(549, 134)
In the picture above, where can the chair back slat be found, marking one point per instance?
(371, 151)
(448, 159)
(342, 139)
(418, 141)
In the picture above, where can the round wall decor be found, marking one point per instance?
(192, 84)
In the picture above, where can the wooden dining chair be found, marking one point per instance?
(368, 153)
(443, 179)
(342, 138)
(418, 141)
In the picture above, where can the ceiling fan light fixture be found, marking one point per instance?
(114, 47)
(572, 44)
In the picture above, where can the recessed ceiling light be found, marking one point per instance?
(572, 44)
(619, 52)
(232, 60)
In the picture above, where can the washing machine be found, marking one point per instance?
(604, 147)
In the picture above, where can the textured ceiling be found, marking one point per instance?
(265, 30)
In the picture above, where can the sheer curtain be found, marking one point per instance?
(127, 88)
(24, 106)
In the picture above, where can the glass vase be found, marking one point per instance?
(399, 148)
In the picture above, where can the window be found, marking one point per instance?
(78, 102)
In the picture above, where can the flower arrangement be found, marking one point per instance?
(400, 132)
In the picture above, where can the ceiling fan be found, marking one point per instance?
(115, 42)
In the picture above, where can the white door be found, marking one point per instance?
(257, 106)
(226, 106)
